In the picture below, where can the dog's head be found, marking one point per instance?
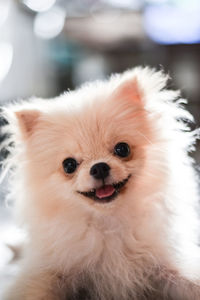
(102, 145)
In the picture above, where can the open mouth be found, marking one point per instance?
(106, 193)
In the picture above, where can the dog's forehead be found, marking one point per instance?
(93, 129)
(86, 134)
(91, 132)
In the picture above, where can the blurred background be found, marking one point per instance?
(49, 46)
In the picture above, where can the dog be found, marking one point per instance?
(104, 185)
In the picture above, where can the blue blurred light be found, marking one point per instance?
(167, 24)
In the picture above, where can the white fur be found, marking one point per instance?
(125, 247)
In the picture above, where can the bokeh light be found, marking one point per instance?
(4, 10)
(173, 24)
(39, 5)
(6, 57)
(49, 24)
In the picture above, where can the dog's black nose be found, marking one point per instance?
(100, 170)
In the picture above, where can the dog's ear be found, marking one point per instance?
(27, 120)
(128, 91)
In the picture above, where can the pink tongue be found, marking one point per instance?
(105, 191)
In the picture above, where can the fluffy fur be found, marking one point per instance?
(143, 244)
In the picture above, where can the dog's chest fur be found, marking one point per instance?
(87, 291)
(110, 269)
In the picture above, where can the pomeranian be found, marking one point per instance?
(104, 185)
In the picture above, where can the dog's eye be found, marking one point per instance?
(122, 149)
(69, 165)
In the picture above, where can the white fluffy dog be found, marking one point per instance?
(103, 183)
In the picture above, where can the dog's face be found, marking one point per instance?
(94, 155)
